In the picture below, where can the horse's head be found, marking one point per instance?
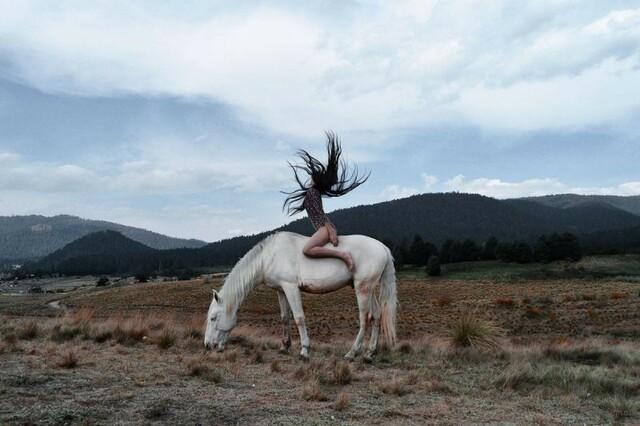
(220, 322)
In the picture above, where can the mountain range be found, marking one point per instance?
(28, 237)
(630, 204)
(435, 217)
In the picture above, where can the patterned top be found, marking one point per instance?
(313, 204)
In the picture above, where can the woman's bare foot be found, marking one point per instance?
(346, 256)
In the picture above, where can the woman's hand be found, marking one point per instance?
(333, 234)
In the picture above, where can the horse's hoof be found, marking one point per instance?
(349, 357)
(368, 358)
(304, 358)
(284, 350)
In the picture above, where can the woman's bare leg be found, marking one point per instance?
(314, 248)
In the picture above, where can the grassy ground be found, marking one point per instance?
(530, 309)
(78, 369)
(542, 351)
(620, 267)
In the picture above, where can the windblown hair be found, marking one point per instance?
(333, 180)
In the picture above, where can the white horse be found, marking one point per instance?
(278, 262)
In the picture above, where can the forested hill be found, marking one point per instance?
(630, 204)
(435, 217)
(101, 252)
(438, 217)
(24, 237)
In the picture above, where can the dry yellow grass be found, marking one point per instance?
(545, 366)
(470, 330)
(313, 392)
(342, 373)
(396, 386)
(342, 402)
(260, 312)
(69, 359)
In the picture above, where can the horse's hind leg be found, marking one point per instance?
(285, 316)
(363, 296)
(375, 330)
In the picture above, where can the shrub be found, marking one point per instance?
(102, 336)
(28, 331)
(441, 301)
(405, 348)
(342, 373)
(433, 266)
(205, 372)
(475, 332)
(102, 281)
(518, 252)
(533, 312)
(544, 300)
(619, 295)
(141, 278)
(313, 392)
(301, 373)
(64, 333)
(130, 331)
(342, 402)
(167, 339)
(10, 339)
(275, 366)
(394, 386)
(505, 301)
(68, 360)
(257, 357)
(194, 328)
(413, 379)
(156, 410)
(557, 247)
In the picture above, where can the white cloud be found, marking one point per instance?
(8, 158)
(393, 192)
(297, 71)
(428, 180)
(17, 175)
(282, 146)
(157, 170)
(498, 188)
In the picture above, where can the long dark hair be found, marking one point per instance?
(333, 180)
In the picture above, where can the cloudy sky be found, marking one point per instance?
(179, 116)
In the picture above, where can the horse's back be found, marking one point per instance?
(370, 257)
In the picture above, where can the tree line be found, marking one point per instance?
(547, 248)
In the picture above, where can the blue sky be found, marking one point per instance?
(179, 117)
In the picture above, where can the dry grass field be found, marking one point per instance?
(551, 351)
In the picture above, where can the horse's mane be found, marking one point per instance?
(243, 277)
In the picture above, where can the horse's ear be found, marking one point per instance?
(216, 296)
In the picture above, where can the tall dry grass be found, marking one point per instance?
(472, 331)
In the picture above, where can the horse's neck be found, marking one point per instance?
(242, 279)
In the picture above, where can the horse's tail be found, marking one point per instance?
(388, 301)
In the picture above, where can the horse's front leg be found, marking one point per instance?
(292, 292)
(285, 315)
